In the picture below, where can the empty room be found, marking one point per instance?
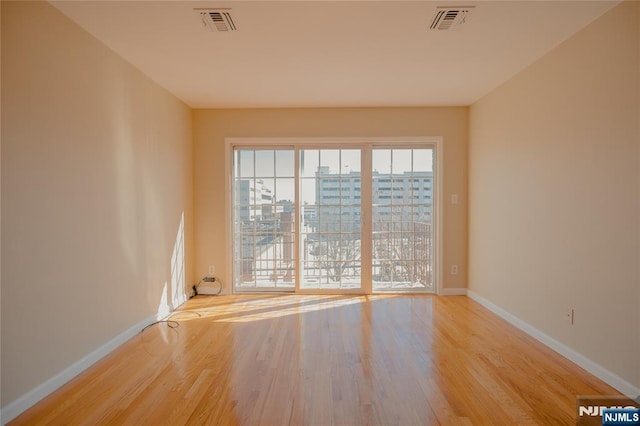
(320, 212)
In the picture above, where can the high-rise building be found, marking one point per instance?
(403, 196)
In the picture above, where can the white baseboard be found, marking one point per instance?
(597, 370)
(17, 407)
(453, 291)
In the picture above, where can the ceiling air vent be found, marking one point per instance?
(448, 17)
(217, 20)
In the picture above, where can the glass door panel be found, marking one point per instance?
(330, 202)
(264, 219)
(402, 219)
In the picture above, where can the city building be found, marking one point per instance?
(338, 199)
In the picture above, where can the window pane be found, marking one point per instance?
(350, 160)
(285, 192)
(309, 162)
(284, 163)
(381, 161)
(245, 161)
(401, 161)
(264, 163)
(330, 161)
(308, 191)
(422, 160)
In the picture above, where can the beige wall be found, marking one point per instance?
(554, 183)
(211, 127)
(96, 173)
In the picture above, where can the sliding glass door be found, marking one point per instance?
(402, 206)
(330, 233)
(353, 217)
(264, 219)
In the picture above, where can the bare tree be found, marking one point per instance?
(403, 256)
(337, 257)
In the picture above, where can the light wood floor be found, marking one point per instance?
(322, 360)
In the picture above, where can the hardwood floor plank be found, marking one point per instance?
(325, 360)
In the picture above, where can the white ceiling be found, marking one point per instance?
(331, 53)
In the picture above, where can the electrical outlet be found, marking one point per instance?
(454, 269)
(212, 270)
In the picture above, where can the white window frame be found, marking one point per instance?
(367, 145)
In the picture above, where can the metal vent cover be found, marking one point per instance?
(217, 20)
(449, 17)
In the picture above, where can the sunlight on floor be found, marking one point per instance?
(254, 308)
